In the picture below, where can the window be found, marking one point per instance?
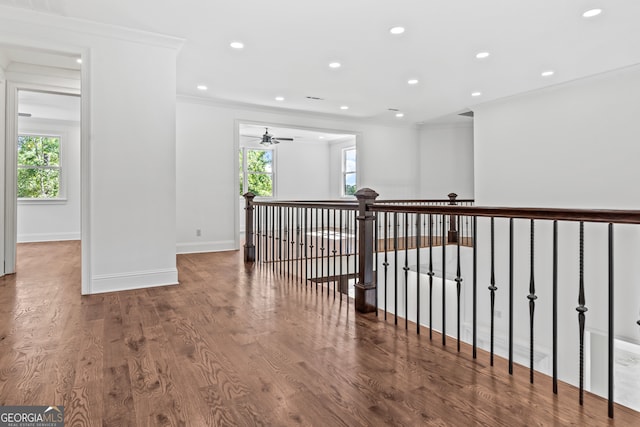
(256, 171)
(39, 170)
(349, 171)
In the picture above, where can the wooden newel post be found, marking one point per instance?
(249, 247)
(366, 286)
(453, 220)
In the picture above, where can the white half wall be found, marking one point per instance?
(446, 160)
(207, 158)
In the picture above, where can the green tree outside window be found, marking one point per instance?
(38, 167)
(259, 172)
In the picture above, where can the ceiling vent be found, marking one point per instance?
(315, 98)
(393, 109)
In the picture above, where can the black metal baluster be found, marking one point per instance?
(265, 235)
(292, 243)
(430, 274)
(475, 287)
(458, 279)
(611, 331)
(386, 260)
(581, 309)
(492, 286)
(510, 296)
(406, 271)
(287, 240)
(418, 243)
(555, 307)
(444, 279)
(257, 230)
(306, 247)
(322, 248)
(280, 239)
(395, 253)
(300, 243)
(376, 249)
(341, 237)
(532, 302)
(333, 252)
(348, 246)
(273, 238)
(315, 227)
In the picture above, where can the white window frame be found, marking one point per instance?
(343, 180)
(62, 187)
(245, 172)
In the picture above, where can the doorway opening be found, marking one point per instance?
(42, 161)
(288, 162)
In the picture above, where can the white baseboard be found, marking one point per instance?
(133, 280)
(217, 246)
(47, 237)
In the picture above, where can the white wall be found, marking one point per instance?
(446, 160)
(129, 88)
(60, 220)
(207, 160)
(575, 146)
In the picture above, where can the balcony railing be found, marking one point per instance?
(421, 259)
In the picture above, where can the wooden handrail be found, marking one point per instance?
(586, 215)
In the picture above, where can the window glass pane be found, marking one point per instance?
(350, 160)
(260, 184)
(260, 161)
(38, 150)
(349, 184)
(38, 183)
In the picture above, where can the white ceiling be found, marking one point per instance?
(289, 44)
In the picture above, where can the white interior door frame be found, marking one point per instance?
(10, 154)
(3, 118)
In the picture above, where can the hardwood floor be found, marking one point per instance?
(235, 345)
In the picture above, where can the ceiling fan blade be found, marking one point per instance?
(283, 139)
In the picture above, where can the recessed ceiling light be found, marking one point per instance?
(397, 30)
(236, 45)
(201, 87)
(335, 65)
(591, 13)
(482, 55)
(344, 107)
(279, 98)
(412, 81)
(547, 73)
(79, 60)
(399, 114)
(321, 137)
(476, 93)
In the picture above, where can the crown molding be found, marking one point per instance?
(42, 20)
(634, 68)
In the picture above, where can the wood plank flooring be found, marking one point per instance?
(235, 345)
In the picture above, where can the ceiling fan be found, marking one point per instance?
(268, 139)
